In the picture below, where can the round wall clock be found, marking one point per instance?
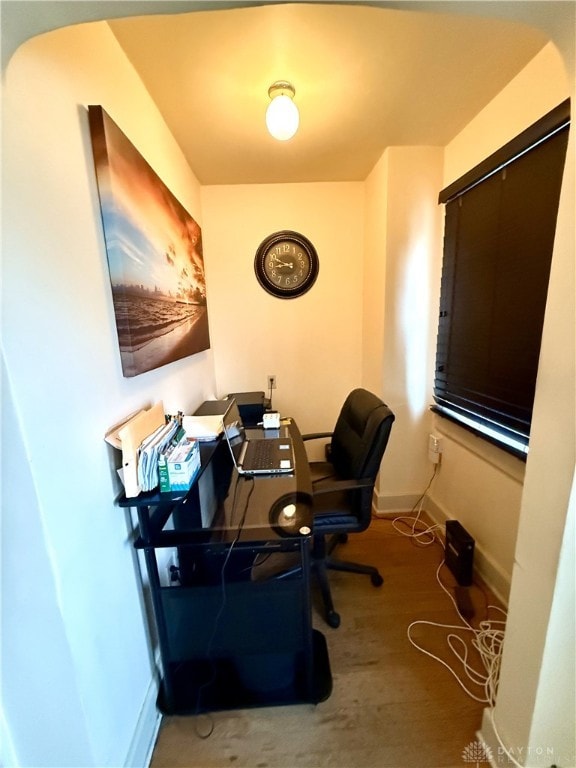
(286, 264)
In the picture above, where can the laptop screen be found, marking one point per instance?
(234, 430)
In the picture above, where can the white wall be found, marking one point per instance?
(555, 704)
(375, 264)
(537, 89)
(401, 282)
(312, 344)
(75, 657)
(37, 660)
(369, 319)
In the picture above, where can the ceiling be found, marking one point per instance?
(366, 78)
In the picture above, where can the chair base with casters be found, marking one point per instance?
(348, 567)
(322, 562)
(343, 486)
(331, 516)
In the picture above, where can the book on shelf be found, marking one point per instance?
(179, 465)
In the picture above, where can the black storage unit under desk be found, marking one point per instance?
(227, 640)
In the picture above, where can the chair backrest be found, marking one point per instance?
(361, 435)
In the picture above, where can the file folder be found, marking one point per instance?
(128, 436)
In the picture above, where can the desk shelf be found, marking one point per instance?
(210, 685)
(227, 641)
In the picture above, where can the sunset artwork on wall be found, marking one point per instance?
(154, 251)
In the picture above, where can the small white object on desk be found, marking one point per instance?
(271, 420)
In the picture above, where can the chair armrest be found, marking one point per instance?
(316, 435)
(331, 486)
(320, 436)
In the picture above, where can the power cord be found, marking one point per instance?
(223, 603)
(506, 751)
(421, 535)
(487, 640)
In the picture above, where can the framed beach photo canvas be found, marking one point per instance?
(154, 251)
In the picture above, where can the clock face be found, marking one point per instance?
(286, 264)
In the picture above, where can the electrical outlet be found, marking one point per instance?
(434, 448)
(172, 570)
(271, 382)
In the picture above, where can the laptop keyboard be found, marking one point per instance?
(261, 454)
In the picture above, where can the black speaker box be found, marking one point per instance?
(459, 552)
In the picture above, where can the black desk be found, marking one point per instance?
(226, 640)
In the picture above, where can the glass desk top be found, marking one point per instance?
(246, 508)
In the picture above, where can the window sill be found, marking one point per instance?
(482, 447)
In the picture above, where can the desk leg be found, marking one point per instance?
(152, 568)
(307, 608)
(154, 579)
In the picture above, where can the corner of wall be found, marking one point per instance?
(146, 731)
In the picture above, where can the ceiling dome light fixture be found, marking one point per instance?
(282, 117)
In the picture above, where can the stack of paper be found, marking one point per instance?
(154, 446)
(160, 453)
(128, 437)
(203, 427)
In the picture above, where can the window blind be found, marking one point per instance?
(500, 222)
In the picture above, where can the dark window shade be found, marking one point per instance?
(498, 242)
(559, 117)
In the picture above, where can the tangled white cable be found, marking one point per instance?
(487, 640)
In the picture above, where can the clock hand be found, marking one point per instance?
(282, 263)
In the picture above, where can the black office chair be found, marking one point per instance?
(344, 484)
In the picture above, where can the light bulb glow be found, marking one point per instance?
(282, 117)
(289, 511)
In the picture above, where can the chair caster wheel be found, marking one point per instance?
(333, 619)
(377, 580)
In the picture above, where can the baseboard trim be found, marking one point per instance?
(487, 737)
(384, 506)
(140, 752)
(484, 566)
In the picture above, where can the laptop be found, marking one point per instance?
(256, 455)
